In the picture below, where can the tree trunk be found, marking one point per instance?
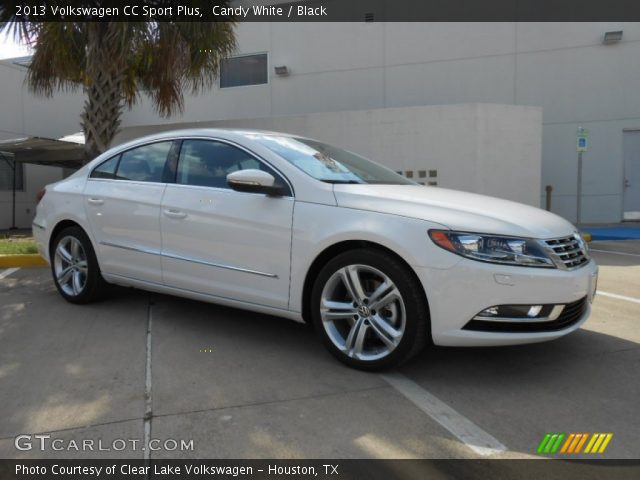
(105, 72)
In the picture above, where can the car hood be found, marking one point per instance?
(454, 209)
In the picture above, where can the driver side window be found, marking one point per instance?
(207, 163)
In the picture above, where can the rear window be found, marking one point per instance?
(145, 163)
(106, 169)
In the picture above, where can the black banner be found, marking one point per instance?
(325, 10)
(320, 469)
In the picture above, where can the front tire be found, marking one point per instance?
(75, 268)
(369, 310)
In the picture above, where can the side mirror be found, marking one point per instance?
(254, 181)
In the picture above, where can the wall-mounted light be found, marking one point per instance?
(282, 70)
(612, 37)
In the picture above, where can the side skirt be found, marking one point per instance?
(203, 297)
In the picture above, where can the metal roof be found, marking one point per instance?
(44, 151)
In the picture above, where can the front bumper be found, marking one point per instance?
(459, 293)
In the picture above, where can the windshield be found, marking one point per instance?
(328, 163)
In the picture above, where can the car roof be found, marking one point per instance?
(186, 132)
(223, 133)
(227, 133)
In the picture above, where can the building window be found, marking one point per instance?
(6, 174)
(244, 70)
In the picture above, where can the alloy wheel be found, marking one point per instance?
(362, 312)
(70, 266)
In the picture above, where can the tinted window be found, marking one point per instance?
(243, 70)
(106, 169)
(145, 163)
(207, 163)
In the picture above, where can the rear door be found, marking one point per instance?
(122, 200)
(222, 242)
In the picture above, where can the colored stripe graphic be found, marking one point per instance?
(582, 440)
(568, 442)
(556, 445)
(543, 443)
(576, 441)
(551, 442)
(573, 443)
(598, 443)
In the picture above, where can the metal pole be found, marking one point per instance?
(13, 167)
(579, 199)
(13, 213)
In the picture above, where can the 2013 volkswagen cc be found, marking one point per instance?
(294, 227)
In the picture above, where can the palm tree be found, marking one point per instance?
(115, 62)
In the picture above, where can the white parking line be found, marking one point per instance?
(460, 426)
(619, 297)
(7, 272)
(615, 253)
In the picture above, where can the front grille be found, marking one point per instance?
(570, 315)
(568, 252)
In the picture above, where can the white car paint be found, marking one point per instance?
(254, 251)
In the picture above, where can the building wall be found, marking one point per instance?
(489, 149)
(22, 113)
(562, 67)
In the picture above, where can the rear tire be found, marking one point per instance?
(74, 266)
(369, 310)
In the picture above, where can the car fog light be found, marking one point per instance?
(534, 311)
(501, 313)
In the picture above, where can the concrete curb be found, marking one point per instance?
(22, 260)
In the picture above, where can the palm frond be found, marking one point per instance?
(114, 62)
(59, 59)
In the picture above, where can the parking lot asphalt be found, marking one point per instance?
(244, 385)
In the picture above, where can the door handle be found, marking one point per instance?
(627, 183)
(95, 201)
(175, 214)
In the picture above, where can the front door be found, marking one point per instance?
(631, 202)
(219, 241)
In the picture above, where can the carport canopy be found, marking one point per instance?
(67, 152)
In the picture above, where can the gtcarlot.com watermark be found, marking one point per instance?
(45, 442)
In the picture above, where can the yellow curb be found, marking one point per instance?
(586, 236)
(22, 260)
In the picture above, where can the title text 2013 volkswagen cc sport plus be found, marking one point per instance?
(294, 227)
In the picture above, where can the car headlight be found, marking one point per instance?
(524, 252)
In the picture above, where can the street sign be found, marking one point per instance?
(583, 139)
(582, 146)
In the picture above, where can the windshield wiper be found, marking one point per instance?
(344, 182)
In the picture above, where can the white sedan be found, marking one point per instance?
(290, 226)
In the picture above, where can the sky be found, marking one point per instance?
(10, 49)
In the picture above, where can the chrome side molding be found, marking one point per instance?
(191, 260)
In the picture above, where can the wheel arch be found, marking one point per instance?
(61, 225)
(336, 249)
